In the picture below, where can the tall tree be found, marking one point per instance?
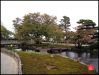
(33, 26)
(65, 24)
(85, 31)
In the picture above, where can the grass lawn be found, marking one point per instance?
(45, 64)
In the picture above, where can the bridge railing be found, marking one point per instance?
(9, 42)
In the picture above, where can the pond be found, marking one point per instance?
(85, 57)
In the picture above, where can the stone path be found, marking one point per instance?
(8, 64)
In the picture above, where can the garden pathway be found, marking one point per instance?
(8, 64)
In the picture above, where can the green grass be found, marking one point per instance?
(46, 45)
(37, 64)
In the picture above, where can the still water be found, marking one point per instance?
(85, 57)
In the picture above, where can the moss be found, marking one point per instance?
(52, 45)
(37, 64)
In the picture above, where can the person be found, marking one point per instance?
(91, 67)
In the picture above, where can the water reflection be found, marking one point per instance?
(75, 55)
(72, 55)
(85, 57)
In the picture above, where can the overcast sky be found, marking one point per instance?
(76, 10)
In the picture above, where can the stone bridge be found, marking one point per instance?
(6, 42)
(9, 41)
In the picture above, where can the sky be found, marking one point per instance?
(75, 10)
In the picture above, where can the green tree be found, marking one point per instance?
(33, 26)
(87, 23)
(64, 25)
(5, 34)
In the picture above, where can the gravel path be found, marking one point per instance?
(8, 65)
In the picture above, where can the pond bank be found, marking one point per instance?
(37, 64)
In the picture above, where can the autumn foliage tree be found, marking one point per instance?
(85, 31)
